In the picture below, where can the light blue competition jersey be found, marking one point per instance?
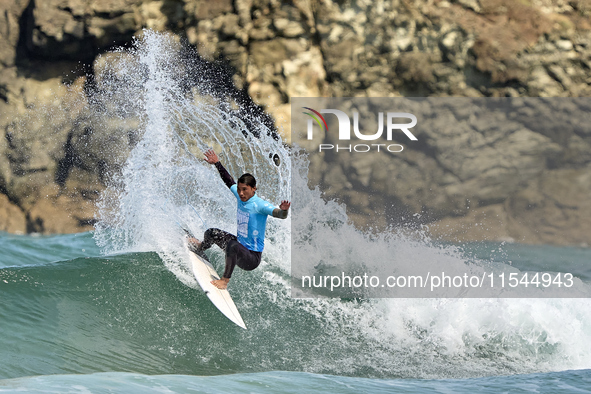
(252, 220)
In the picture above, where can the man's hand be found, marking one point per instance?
(284, 206)
(281, 212)
(211, 157)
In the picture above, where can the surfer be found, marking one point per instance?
(244, 250)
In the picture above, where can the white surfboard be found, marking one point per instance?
(205, 273)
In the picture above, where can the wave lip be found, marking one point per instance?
(27, 250)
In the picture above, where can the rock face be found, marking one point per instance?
(482, 168)
(54, 157)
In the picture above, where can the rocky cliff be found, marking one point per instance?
(55, 158)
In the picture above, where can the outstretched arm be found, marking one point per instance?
(212, 158)
(281, 212)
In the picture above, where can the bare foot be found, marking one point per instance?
(194, 241)
(194, 244)
(221, 283)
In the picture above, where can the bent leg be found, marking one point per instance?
(238, 255)
(215, 236)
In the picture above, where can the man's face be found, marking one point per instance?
(245, 192)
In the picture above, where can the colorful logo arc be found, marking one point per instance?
(316, 118)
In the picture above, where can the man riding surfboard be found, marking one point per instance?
(245, 249)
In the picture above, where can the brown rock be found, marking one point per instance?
(489, 224)
(268, 52)
(554, 209)
(63, 214)
(462, 47)
(12, 218)
(10, 31)
(203, 9)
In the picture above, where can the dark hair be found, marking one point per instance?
(248, 180)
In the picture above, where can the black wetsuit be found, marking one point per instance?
(236, 253)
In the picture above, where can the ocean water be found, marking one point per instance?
(118, 310)
(75, 320)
